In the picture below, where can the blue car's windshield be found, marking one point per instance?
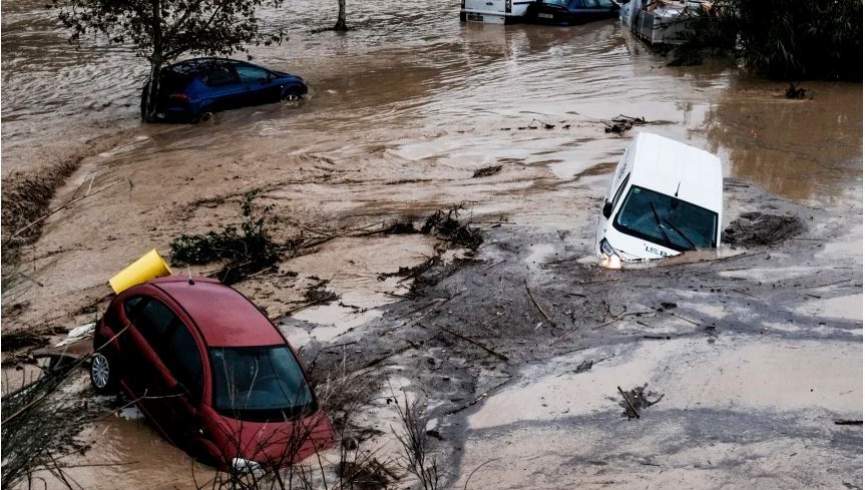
(259, 382)
(667, 221)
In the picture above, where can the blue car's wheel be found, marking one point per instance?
(291, 94)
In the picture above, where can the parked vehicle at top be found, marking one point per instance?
(493, 11)
(210, 371)
(196, 88)
(665, 198)
(570, 12)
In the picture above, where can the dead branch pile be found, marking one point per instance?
(417, 454)
(39, 424)
(636, 399)
(756, 229)
(245, 251)
(487, 171)
(448, 227)
(622, 123)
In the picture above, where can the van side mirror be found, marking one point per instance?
(608, 209)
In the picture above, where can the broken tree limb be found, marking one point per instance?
(476, 344)
(537, 306)
(628, 401)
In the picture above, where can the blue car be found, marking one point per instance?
(192, 90)
(570, 12)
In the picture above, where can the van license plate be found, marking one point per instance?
(474, 17)
(545, 16)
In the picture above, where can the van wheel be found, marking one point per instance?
(103, 374)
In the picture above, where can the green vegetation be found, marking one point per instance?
(245, 251)
(784, 39)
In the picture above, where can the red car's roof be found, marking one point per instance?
(224, 317)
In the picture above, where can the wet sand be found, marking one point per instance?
(400, 116)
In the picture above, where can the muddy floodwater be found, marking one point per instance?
(760, 354)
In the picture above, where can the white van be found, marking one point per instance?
(665, 198)
(494, 11)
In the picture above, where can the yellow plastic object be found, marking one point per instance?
(149, 266)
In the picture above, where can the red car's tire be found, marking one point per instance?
(103, 373)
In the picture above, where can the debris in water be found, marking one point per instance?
(20, 339)
(755, 229)
(795, 92)
(848, 422)
(404, 226)
(318, 294)
(366, 473)
(446, 226)
(584, 366)
(636, 399)
(622, 123)
(246, 251)
(77, 334)
(487, 171)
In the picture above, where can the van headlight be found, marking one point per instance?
(609, 258)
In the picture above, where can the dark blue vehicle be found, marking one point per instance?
(192, 90)
(570, 12)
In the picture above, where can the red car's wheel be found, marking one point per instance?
(103, 374)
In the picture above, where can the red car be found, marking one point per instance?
(211, 372)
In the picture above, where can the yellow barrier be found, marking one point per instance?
(149, 266)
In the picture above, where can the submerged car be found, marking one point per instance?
(570, 12)
(665, 198)
(193, 89)
(211, 373)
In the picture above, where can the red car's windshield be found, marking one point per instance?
(259, 383)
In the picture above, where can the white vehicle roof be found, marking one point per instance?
(676, 169)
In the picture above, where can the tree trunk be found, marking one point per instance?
(151, 92)
(340, 20)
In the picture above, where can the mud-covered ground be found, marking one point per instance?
(519, 349)
(757, 355)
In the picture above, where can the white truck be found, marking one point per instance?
(493, 11)
(665, 198)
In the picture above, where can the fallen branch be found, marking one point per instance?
(477, 344)
(628, 401)
(479, 398)
(537, 306)
(466, 486)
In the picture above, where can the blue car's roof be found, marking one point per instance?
(194, 65)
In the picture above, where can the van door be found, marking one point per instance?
(485, 10)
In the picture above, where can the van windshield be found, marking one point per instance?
(259, 383)
(667, 221)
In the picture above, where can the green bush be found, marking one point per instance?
(786, 39)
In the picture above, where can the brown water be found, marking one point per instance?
(402, 111)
